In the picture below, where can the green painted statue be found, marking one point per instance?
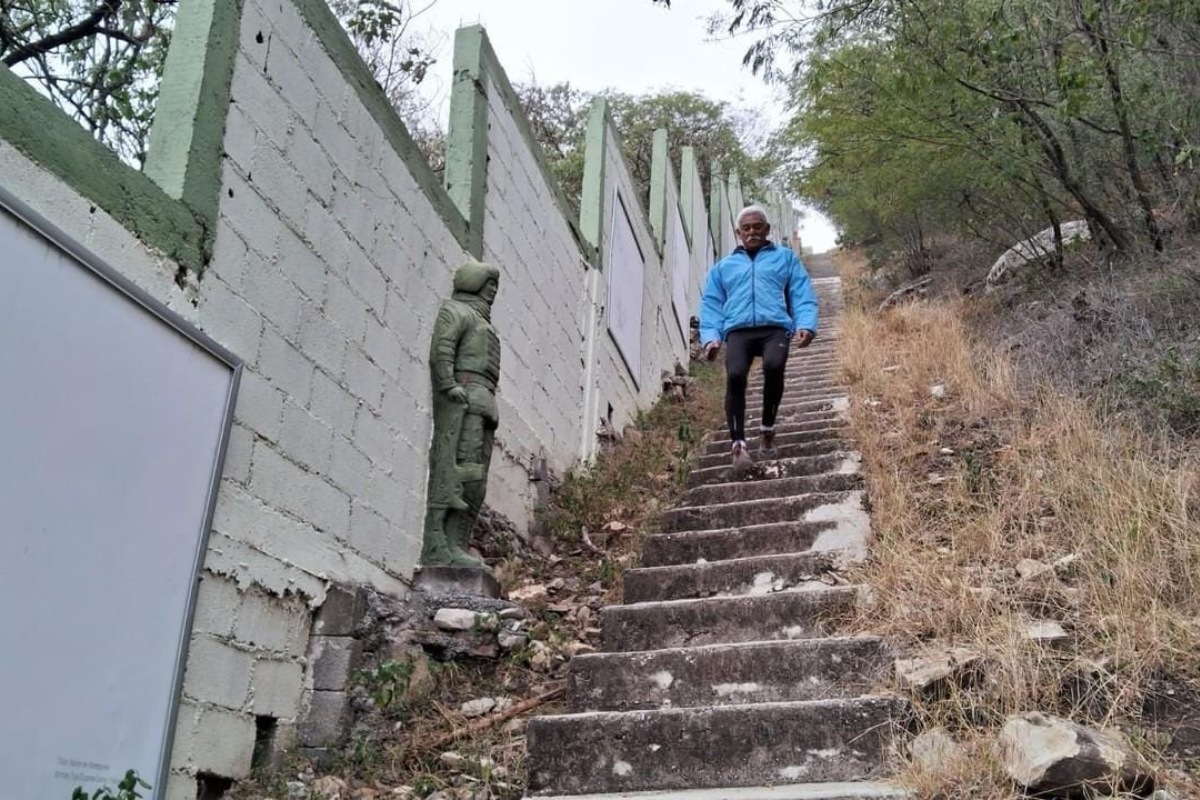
(464, 359)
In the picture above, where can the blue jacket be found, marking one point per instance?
(744, 292)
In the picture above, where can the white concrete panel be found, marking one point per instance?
(679, 257)
(112, 422)
(626, 268)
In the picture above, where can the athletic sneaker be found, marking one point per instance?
(766, 443)
(743, 464)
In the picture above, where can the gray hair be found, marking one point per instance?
(754, 208)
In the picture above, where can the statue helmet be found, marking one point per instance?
(472, 276)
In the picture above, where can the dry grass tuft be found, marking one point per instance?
(966, 485)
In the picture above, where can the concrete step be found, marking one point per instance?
(690, 748)
(817, 447)
(756, 540)
(812, 422)
(843, 526)
(754, 575)
(799, 387)
(795, 614)
(764, 487)
(783, 439)
(824, 490)
(857, 790)
(779, 468)
(725, 674)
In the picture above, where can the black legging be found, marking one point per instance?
(741, 347)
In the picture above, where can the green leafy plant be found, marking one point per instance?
(128, 789)
(387, 682)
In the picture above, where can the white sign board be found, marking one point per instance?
(113, 418)
(681, 267)
(626, 269)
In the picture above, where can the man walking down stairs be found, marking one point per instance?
(720, 676)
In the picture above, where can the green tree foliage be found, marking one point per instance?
(718, 131)
(98, 60)
(101, 61)
(989, 118)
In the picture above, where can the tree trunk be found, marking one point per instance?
(1053, 150)
(1121, 111)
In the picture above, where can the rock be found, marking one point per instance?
(297, 790)
(463, 619)
(615, 526)
(540, 659)
(1036, 248)
(504, 704)
(327, 787)
(556, 585)
(933, 671)
(578, 648)
(477, 708)
(1066, 565)
(511, 641)
(1045, 632)
(937, 391)
(1030, 570)
(909, 291)
(1051, 755)
(516, 612)
(534, 594)
(935, 751)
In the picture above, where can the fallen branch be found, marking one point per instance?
(496, 719)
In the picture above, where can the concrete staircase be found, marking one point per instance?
(719, 676)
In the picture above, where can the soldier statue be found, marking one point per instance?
(464, 359)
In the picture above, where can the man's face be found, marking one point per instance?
(488, 292)
(753, 231)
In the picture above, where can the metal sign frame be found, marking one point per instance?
(100, 269)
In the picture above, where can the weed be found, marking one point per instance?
(387, 682)
(1042, 476)
(128, 789)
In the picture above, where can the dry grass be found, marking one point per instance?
(965, 486)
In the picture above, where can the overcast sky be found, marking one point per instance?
(633, 46)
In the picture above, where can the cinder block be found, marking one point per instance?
(321, 341)
(305, 438)
(334, 660)
(285, 366)
(364, 378)
(180, 786)
(373, 437)
(259, 405)
(369, 533)
(349, 469)
(300, 264)
(341, 612)
(238, 454)
(217, 673)
(265, 621)
(224, 743)
(327, 721)
(332, 404)
(230, 320)
(217, 602)
(276, 688)
(279, 482)
(327, 507)
(346, 310)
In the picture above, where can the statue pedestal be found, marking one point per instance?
(457, 580)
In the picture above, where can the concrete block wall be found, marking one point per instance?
(329, 252)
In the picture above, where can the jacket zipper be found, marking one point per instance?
(753, 302)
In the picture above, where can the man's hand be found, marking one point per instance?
(457, 394)
(711, 349)
(804, 338)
